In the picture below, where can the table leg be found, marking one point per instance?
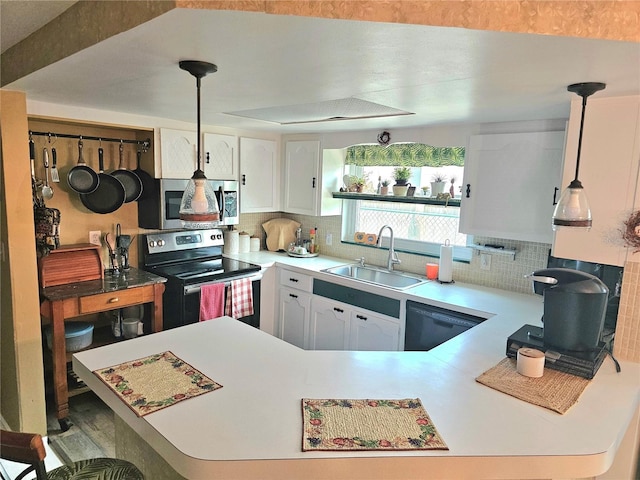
(58, 350)
(157, 320)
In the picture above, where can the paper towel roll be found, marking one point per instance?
(244, 243)
(445, 272)
(530, 362)
(231, 241)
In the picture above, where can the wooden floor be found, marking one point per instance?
(92, 434)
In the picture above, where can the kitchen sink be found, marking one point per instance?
(376, 275)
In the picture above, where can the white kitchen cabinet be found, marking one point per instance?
(336, 325)
(294, 307)
(220, 158)
(259, 176)
(294, 311)
(329, 325)
(178, 153)
(511, 181)
(372, 331)
(310, 178)
(609, 163)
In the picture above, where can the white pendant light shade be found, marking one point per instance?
(573, 208)
(199, 207)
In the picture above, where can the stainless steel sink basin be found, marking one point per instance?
(376, 275)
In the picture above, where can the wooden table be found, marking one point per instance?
(63, 302)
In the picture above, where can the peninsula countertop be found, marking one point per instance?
(252, 427)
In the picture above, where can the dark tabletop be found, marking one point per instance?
(111, 282)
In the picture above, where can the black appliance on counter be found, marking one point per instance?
(575, 304)
(428, 326)
(189, 259)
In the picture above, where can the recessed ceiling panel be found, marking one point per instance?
(332, 110)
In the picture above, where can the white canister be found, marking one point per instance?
(254, 244)
(231, 241)
(244, 243)
(530, 362)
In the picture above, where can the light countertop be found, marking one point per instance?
(252, 427)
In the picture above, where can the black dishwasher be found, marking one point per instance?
(428, 326)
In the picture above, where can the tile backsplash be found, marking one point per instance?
(627, 343)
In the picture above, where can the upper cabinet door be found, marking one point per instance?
(220, 156)
(259, 182)
(178, 153)
(509, 185)
(302, 177)
(609, 174)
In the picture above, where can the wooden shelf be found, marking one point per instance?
(453, 202)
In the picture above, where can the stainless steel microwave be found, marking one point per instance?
(160, 209)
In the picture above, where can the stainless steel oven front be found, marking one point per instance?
(191, 298)
(161, 210)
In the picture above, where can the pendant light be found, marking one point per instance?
(199, 207)
(573, 208)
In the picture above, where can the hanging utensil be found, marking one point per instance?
(35, 184)
(47, 191)
(131, 182)
(109, 196)
(82, 178)
(55, 175)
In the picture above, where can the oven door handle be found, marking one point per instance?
(255, 277)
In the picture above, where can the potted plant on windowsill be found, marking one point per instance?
(384, 187)
(401, 175)
(437, 184)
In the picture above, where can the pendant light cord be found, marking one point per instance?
(199, 140)
(584, 106)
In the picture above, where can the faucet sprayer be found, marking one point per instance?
(393, 257)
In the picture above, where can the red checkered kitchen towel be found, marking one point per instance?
(240, 299)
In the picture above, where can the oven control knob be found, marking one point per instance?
(161, 243)
(152, 243)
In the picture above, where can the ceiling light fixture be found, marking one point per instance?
(199, 207)
(573, 208)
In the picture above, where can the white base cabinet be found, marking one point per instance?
(339, 326)
(294, 310)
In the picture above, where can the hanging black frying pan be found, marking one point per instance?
(109, 196)
(131, 182)
(81, 178)
(148, 182)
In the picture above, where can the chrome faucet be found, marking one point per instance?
(393, 257)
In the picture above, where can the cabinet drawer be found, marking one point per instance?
(111, 300)
(299, 281)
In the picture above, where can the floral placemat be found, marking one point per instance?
(155, 382)
(368, 425)
(555, 390)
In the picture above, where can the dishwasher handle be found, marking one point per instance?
(450, 321)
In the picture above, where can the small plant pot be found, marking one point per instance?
(384, 190)
(400, 190)
(436, 188)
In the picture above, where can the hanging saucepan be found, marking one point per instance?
(148, 182)
(131, 182)
(109, 196)
(82, 178)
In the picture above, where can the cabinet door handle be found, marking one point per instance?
(293, 295)
(361, 317)
(468, 190)
(339, 310)
(244, 179)
(555, 192)
(313, 182)
(113, 300)
(208, 159)
(294, 280)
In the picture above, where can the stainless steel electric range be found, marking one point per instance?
(189, 259)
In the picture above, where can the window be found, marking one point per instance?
(418, 228)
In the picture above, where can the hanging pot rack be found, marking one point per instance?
(145, 144)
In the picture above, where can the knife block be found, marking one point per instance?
(70, 264)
